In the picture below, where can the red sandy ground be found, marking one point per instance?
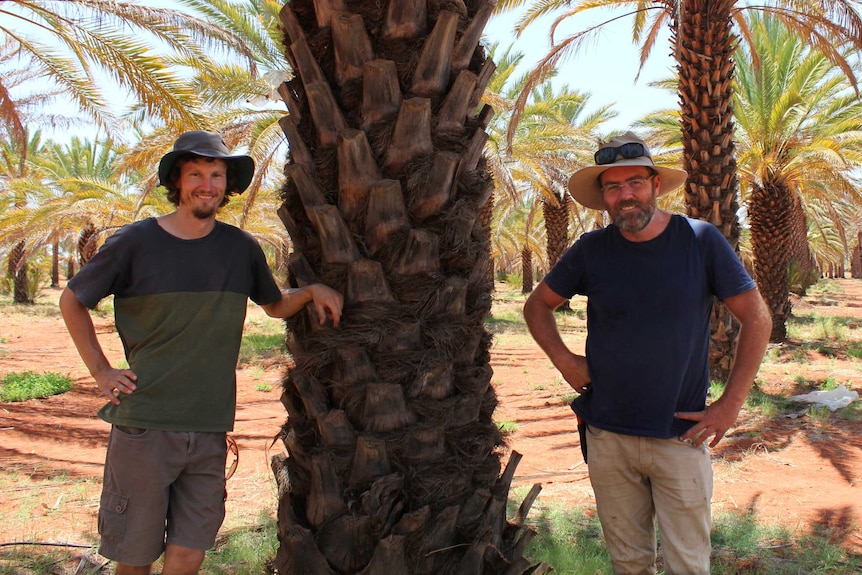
(796, 471)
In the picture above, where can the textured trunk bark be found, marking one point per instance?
(556, 216)
(770, 211)
(526, 269)
(856, 258)
(704, 44)
(87, 244)
(55, 263)
(805, 267)
(18, 272)
(70, 268)
(393, 457)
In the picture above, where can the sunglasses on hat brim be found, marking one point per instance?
(628, 151)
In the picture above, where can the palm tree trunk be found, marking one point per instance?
(526, 269)
(556, 216)
(770, 212)
(801, 253)
(18, 272)
(856, 258)
(393, 461)
(55, 263)
(87, 244)
(70, 268)
(704, 44)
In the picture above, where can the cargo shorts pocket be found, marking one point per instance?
(112, 515)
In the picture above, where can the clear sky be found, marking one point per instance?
(606, 67)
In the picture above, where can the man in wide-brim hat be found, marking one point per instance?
(585, 185)
(181, 283)
(650, 279)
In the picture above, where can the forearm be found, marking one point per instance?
(83, 333)
(751, 346)
(292, 301)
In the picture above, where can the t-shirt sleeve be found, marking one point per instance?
(727, 275)
(264, 290)
(566, 278)
(99, 277)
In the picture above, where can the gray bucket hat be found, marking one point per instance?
(625, 150)
(208, 145)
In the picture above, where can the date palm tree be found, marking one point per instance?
(799, 128)
(393, 458)
(554, 137)
(704, 35)
(82, 48)
(18, 183)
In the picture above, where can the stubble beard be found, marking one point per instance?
(204, 213)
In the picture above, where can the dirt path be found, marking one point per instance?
(799, 471)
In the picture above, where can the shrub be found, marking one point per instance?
(31, 385)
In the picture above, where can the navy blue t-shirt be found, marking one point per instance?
(648, 313)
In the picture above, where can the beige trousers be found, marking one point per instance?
(638, 480)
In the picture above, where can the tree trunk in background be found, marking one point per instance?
(70, 268)
(856, 258)
(393, 457)
(805, 267)
(55, 263)
(770, 212)
(556, 216)
(18, 272)
(526, 269)
(87, 244)
(704, 44)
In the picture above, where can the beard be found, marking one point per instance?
(634, 221)
(204, 213)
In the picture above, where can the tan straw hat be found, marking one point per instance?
(625, 150)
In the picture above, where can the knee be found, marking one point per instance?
(182, 560)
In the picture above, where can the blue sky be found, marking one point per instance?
(605, 68)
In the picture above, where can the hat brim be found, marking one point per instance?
(243, 167)
(584, 184)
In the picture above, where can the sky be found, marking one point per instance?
(605, 68)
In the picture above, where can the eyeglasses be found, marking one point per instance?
(628, 151)
(635, 185)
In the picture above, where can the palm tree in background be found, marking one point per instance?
(554, 137)
(19, 184)
(83, 48)
(799, 128)
(74, 198)
(704, 35)
(798, 132)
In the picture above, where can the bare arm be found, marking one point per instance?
(539, 315)
(80, 326)
(755, 327)
(327, 302)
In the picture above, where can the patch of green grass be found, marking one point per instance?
(506, 321)
(507, 427)
(263, 387)
(571, 542)
(26, 385)
(854, 350)
(256, 347)
(244, 551)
